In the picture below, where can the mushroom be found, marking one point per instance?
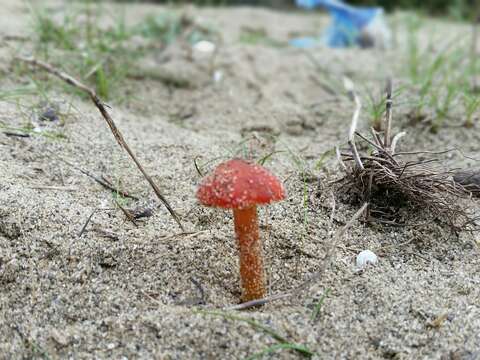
(241, 186)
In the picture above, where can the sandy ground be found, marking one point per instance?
(125, 292)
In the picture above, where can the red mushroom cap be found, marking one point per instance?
(239, 184)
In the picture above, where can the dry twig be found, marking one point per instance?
(130, 217)
(353, 127)
(328, 259)
(257, 302)
(388, 113)
(388, 182)
(113, 128)
(54, 188)
(101, 181)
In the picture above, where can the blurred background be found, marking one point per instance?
(458, 9)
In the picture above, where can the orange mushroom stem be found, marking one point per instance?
(241, 186)
(252, 275)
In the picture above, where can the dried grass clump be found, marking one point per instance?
(390, 181)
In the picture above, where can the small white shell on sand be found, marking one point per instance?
(204, 46)
(217, 76)
(366, 257)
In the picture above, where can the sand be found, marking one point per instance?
(121, 291)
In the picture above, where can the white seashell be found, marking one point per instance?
(217, 76)
(366, 257)
(204, 46)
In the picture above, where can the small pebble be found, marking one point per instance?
(366, 257)
(204, 46)
(49, 114)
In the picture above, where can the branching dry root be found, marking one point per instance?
(390, 181)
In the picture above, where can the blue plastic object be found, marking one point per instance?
(351, 25)
(304, 42)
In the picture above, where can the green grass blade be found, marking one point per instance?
(318, 306)
(251, 322)
(267, 330)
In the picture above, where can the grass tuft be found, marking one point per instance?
(284, 342)
(104, 53)
(438, 80)
(318, 305)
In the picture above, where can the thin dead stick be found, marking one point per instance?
(329, 254)
(102, 182)
(127, 214)
(353, 127)
(54, 188)
(369, 192)
(339, 158)
(257, 302)
(388, 114)
(197, 167)
(426, 152)
(380, 148)
(377, 138)
(395, 141)
(369, 158)
(113, 128)
(332, 214)
(14, 134)
(85, 225)
(14, 38)
(376, 146)
(338, 235)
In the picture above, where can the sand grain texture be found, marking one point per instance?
(121, 291)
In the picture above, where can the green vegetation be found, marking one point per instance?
(318, 305)
(38, 101)
(284, 343)
(103, 52)
(254, 36)
(376, 110)
(471, 104)
(30, 131)
(439, 78)
(17, 93)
